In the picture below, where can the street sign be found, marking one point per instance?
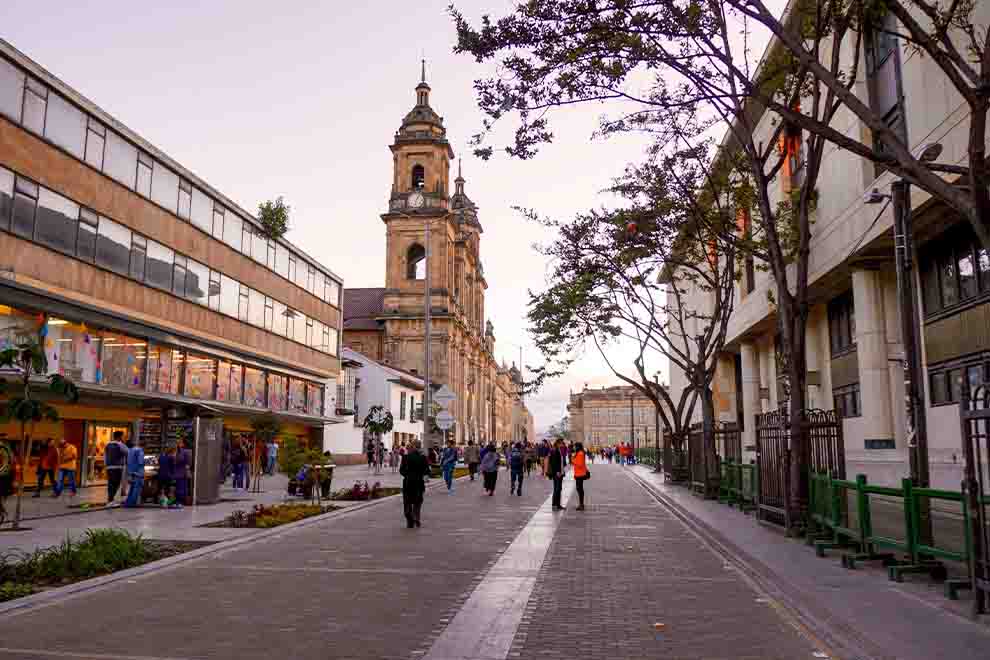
(444, 420)
(444, 397)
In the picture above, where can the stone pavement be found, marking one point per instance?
(528, 583)
(60, 518)
(859, 613)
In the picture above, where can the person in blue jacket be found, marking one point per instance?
(517, 463)
(447, 463)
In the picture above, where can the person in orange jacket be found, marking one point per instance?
(47, 463)
(579, 461)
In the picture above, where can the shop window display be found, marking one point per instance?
(254, 387)
(97, 436)
(123, 361)
(17, 326)
(166, 369)
(314, 399)
(297, 395)
(277, 392)
(72, 349)
(201, 374)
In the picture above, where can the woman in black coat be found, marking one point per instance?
(413, 469)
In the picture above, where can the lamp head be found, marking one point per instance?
(875, 197)
(930, 152)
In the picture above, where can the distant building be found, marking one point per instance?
(611, 415)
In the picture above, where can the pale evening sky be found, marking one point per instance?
(301, 99)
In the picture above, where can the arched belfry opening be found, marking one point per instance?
(416, 262)
(418, 177)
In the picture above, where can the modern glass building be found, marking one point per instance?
(159, 296)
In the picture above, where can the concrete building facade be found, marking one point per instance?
(855, 349)
(612, 415)
(159, 296)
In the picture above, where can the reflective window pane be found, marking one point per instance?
(947, 279)
(223, 380)
(236, 384)
(259, 250)
(254, 387)
(86, 241)
(197, 282)
(35, 104)
(143, 186)
(179, 275)
(297, 395)
(120, 161)
(282, 260)
(314, 399)
(185, 200)
(983, 264)
(242, 304)
(25, 204)
(232, 230)
(332, 341)
(66, 125)
(279, 319)
(301, 273)
(165, 187)
(113, 246)
(201, 373)
(229, 296)
(201, 213)
(299, 328)
(11, 90)
(256, 308)
(213, 293)
(56, 221)
(967, 275)
(6, 195)
(158, 271)
(123, 361)
(95, 142)
(139, 259)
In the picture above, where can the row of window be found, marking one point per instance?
(846, 401)
(45, 113)
(955, 270)
(36, 213)
(949, 383)
(619, 416)
(108, 357)
(412, 406)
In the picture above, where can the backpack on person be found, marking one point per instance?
(516, 459)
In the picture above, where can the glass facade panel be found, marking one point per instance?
(165, 369)
(314, 399)
(139, 253)
(71, 350)
(185, 200)
(299, 328)
(277, 392)
(214, 290)
(11, 90)
(297, 395)
(201, 375)
(56, 221)
(65, 125)
(236, 390)
(223, 380)
(123, 361)
(113, 246)
(86, 242)
(120, 160)
(159, 267)
(259, 250)
(202, 210)
(179, 275)
(95, 143)
(35, 104)
(229, 296)
(254, 387)
(282, 261)
(165, 187)
(25, 204)
(197, 282)
(143, 186)
(17, 326)
(232, 230)
(279, 320)
(968, 285)
(332, 341)
(6, 195)
(256, 308)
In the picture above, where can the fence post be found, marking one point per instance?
(863, 513)
(910, 519)
(837, 494)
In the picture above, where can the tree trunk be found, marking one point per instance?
(25, 454)
(797, 375)
(708, 433)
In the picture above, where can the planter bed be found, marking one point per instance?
(264, 516)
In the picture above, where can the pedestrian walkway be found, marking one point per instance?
(862, 613)
(63, 519)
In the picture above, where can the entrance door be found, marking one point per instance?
(98, 434)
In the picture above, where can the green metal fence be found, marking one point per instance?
(647, 456)
(739, 484)
(842, 516)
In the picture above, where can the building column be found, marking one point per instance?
(813, 358)
(750, 359)
(767, 381)
(871, 352)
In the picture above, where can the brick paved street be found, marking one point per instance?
(360, 585)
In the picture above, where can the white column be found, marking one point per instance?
(871, 352)
(766, 369)
(814, 361)
(749, 357)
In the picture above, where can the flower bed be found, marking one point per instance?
(361, 492)
(263, 516)
(102, 551)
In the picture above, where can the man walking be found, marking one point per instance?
(472, 456)
(555, 471)
(414, 469)
(517, 462)
(135, 474)
(447, 464)
(115, 459)
(68, 455)
(272, 457)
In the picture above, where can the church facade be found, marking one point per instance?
(388, 324)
